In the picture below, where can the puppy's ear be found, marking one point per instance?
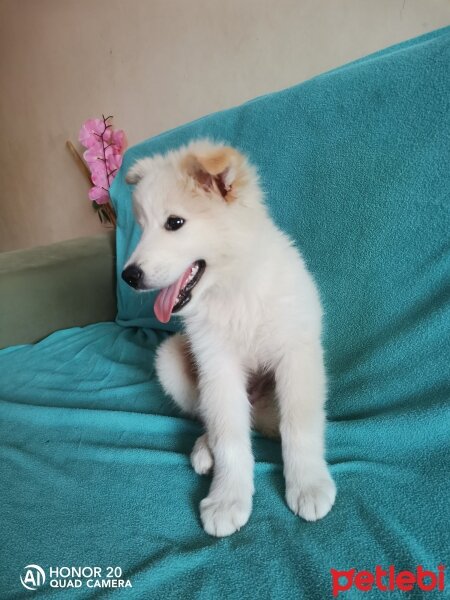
(215, 170)
(138, 170)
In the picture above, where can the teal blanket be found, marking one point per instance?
(94, 468)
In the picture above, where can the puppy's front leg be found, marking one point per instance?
(225, 410)
(301, 390)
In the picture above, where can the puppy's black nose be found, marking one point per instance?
(132, 275)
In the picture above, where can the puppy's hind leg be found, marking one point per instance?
(177, 373)
(202, 459)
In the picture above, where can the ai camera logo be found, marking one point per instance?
(32, 577)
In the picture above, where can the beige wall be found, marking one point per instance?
(155, 64)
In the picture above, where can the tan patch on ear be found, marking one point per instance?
(221, 169)
(218, 161)
(194, 169)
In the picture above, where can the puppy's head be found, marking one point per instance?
(191, 205)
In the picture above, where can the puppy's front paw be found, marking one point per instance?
(223, 516)
(201, 456)
(313, 500)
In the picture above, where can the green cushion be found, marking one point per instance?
(51, 287)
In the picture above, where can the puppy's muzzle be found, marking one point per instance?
(133, 275)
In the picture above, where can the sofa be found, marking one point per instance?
(98, 498)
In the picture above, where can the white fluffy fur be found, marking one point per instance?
(255, 309)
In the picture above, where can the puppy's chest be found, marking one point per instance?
(245, 330)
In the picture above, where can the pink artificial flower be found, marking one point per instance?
(103, 155)
(114, 162)
(99, 176)
(98, 195)
(93, 154)
(118, 140)
(89, 132)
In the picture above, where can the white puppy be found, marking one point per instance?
(252, 319)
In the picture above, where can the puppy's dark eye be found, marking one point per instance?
(173, 223)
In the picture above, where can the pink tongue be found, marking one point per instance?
(167, 297)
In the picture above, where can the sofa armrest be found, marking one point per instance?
(47, 288)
